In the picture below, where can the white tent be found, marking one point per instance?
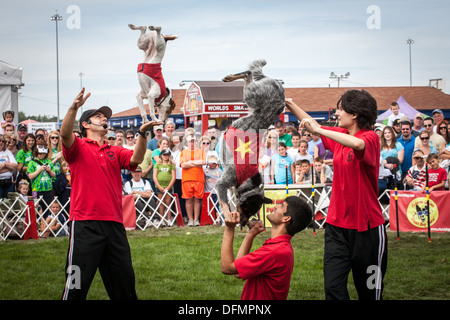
(10, 82)
(404, 107)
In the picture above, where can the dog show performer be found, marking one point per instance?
(355, 235)
(97, 235)
(267, 270)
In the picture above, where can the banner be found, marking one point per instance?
(278, 197)
(413, 213)
(129, 212)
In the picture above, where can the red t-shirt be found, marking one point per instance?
(96, 180)
(436, 176)
(267, 270)
(354, 197)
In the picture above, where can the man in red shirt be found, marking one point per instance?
(97, 235)
(268, 269)
(355, 237)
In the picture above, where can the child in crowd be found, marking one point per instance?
(63, 186)
(396, 114)
(8, 118)
(164, 176)
(279, 174)
(295, 139)
(303, 152)
(23, 189)
(322, 172)
(437, 176)
(212, 175)
(52, 225)
(416, 177)
(41, 171)
(305, 174)
(297, 170)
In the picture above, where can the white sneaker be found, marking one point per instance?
(196, 223)
(190, 223)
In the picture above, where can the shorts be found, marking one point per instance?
(193, 189)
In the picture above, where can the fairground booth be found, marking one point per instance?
(214, 103)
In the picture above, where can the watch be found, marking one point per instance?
(144, 134)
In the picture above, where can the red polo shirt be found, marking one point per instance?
(354, 200)
(96, 180)
(267, 270)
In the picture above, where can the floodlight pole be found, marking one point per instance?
(57, 18)
(335, 76)
(409, 42)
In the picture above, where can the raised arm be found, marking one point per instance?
(313, 126)
(68, 123)
(141, 143)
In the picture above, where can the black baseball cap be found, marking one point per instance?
(107, 112)
(22, 127)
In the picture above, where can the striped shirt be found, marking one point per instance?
(418, 176)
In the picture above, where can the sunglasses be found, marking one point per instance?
(205, 143)
(54, 138)
(442, 128)
(111, 138)
(129, 138)
(428, 125)
(417, 158)
(425, 138)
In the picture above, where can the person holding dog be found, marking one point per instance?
(355, 236)
(97, 235)
(267, 270)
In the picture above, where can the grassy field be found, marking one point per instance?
(171, 264)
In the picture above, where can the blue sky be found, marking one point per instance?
(302, 42)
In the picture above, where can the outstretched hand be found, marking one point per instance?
(80, 99)
(148, 125)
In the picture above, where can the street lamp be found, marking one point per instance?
(334, 76)
(409, 42)
(57, 18)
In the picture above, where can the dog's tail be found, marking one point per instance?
(256, 69)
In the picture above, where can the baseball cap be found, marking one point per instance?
(138, 169)
(405, 119)
(22, 127)
(438, 111)
(111, 135)
(107, 112)
(396, 121)
(158, 128)
(166, 152)
(419, 115)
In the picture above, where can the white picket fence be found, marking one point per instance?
(15, 214)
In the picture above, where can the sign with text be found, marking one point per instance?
(413, 209)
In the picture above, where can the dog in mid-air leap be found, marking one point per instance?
(151, 80)
(239, 145)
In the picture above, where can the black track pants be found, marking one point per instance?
(103, 245)
(364, 253)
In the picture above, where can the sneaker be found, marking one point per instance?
(190, 223)
(196, 223)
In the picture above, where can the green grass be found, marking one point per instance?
(172, 265)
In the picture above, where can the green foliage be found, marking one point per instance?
(172, 265)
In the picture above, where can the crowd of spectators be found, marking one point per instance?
(187, 163)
